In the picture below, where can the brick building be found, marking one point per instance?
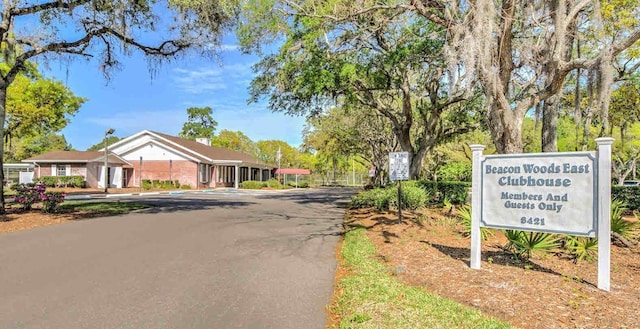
(78, 163)
(157, 156)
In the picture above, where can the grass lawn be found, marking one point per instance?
(372, 298)
(105, 208)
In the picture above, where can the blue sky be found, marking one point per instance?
(134, 100)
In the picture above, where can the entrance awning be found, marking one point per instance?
(292, 171)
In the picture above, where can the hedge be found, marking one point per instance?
(148, 184)
(413, 197)
(458, 192)
(455, 192)
(252, 185)
(62, 181)
(627, 194)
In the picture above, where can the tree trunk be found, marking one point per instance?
(550, 125)
(506, 129)
(3, 112)
(416, 166)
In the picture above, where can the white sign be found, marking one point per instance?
(399, 166)
(547, 192)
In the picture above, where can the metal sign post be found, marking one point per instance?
(399, 171)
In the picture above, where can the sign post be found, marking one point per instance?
(566, 193)
(604, 213)
(476, 175)
(399, 171)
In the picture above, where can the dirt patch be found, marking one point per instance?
(333, 318)
(15, 220)
(549, 291)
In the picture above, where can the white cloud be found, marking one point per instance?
(199, 81)
(228, 47)
(207, 79)
(255, 121)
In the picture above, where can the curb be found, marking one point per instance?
(118, 195)
(103, 196)
(77, 197)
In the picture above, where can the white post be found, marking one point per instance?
(237, 177)
(353, 171)
(604, 212)
(475, 206)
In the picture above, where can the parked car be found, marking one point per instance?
(631, 183)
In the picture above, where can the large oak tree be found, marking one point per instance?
(387, 62)
(103, 30)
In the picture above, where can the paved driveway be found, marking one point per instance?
(218, 260)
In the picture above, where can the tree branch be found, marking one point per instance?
(77, 47)
(628, 42)
(56, 4)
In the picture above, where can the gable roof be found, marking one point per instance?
(211, 152)
(192, 149)
(74, 157)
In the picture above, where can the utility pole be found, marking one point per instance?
(106, 158)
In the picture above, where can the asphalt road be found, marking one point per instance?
(218, 260)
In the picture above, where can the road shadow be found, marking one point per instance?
(169, 205)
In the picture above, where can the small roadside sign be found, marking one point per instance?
(399, 166)
(372, 172)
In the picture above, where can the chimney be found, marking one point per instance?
(203, 140)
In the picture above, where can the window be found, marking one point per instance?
(61, 170)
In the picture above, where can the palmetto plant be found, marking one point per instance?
(464, 213)
(524, 244)
(582, 248)
(619, 225)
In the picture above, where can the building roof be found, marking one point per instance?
(198, 151)
(74, 157)
(292, 171)
(211, 152)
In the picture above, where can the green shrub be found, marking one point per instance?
(377, 197)
(524, 244)
(582, 248)
(455, 192)
(456, 171)
(185, 186)
(273, 183)
(625, 228)
(49, 181)
(146, 184)
(413, 197)
(464, 213)
(62, 181)
(629, 195)
(252, 185)
(167, 184)
(51, 201)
